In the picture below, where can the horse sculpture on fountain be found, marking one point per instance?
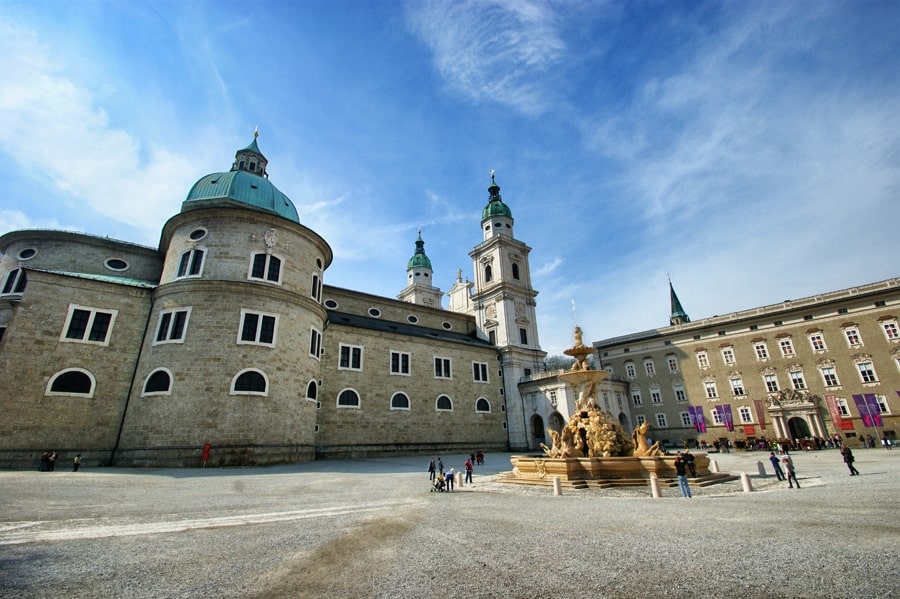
(641, 447)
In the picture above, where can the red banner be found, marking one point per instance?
(831, 402)
(760, 413)
(749, 430)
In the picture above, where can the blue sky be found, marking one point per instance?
(750, 150)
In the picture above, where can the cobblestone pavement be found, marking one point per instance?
(372, 528)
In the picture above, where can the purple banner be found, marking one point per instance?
(729, 419)
(696, 414)
(869, 410)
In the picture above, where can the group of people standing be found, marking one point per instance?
(442, 481)
(49, 458)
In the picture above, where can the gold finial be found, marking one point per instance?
(256, 132)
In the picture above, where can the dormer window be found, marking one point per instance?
(253, 167)
(241, 165)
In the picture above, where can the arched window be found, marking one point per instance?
(249, 382)
(444, 404)
(15, 282)
(488, 274)
(265, 267)
(312, 390)
(348, 399)
(400, 401)
(71, 382)
(159, 381)
(482, 405)
(190, 264)
(515, 269)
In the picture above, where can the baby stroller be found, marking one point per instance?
(438, 484)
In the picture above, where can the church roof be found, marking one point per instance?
(419, 259)
(495, 205)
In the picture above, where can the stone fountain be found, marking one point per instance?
(592, 449)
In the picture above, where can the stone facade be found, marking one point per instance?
(788, 371)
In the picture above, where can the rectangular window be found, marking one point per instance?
(650, 367)
(655, 395)
(673, 364)
(797, 380)
(399, 363)
(882, 404)
(480, 372)
(853, 337)
(702, 360)
(266, 267)
(640, 419)
(190, 264)
(787, 347)
(867, 372)
(523, 336)
(680, 395)
(88, 325)
(15, 281)
(315, 343)
(745, 414)
(737, 386)
(685, 418)
(829, 375)
(842, 407)
(630, 371)
(717, 417)
(711, 391)
(661, 421)
(350, 357)
(636, 397)
(257, 328)
(316, 291)
(762, 352)
(442, 368)
(728, 355)
(172, 325)
(890, 330)
(818, 342)
(771, 382)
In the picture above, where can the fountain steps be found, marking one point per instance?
(611, 483)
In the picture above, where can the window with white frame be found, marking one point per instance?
(265, 267)
(190, 264)
(554, 401)
(728, 355)
(655, 395)
(350, 357)
(661, 421)
(829, 375)
(88, 325)
(315, 291)
(891, 332)
(702, 360)
(158, 383)
(443, 404)
(480, 372)
(442, 368)
(482, 406)
(640, 419)
(399, 401)
(771, 382)
(711, 391)
(883, 404)
(315, 343)
(762, 352)
(172, 326)
(250, 382)
(680, 394)
(737, 386)
(842, 406)
(348, 398)
(853, 338)
(745, 415)
(797, 380)
(605, 399)
(619, 400)
(673, 364)
(817, 341)
(717, 417)
(636, 397)
(867, 372)
(685, 418)
(15, 282)
(257, 328)
(73, 381)
(650, 367)
(786, 346)
(630, 370)
(400, 363)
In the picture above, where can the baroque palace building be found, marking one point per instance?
(821, 367)
(227, 334)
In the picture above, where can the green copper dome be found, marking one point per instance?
(246, 183)
(419, 259)
(495, 206)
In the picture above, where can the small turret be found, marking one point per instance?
(679, 316)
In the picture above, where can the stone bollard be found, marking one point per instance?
(557, 488)
(713, 466)
(654, 486)
(762, 470)
(459, 478)
(745, 481)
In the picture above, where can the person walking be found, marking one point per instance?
(849, 459)
(791, 471)
(76, 463)
(469, 467)
(681, 472)
(204, 455)
(440, 465)
(776, 465)
(431, 470)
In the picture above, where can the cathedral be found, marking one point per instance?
(227, 334)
